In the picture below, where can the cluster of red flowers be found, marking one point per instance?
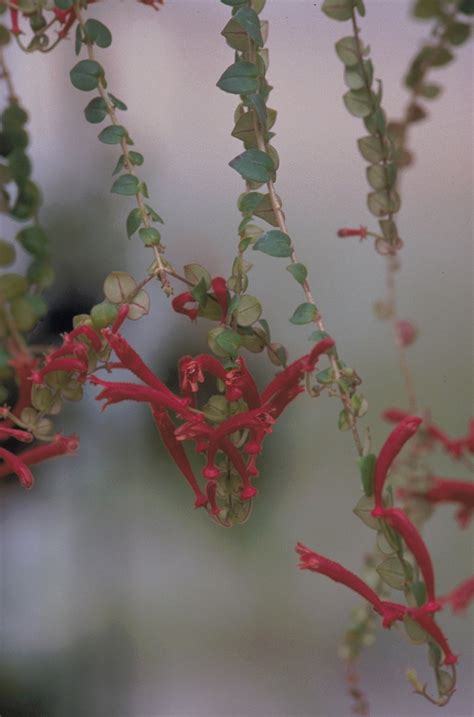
(18, 463)
(65, 18)
(397, 519)
(238, 438)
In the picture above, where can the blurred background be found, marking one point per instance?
(117, 598)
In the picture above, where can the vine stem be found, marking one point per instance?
(161, 269)
(333, 357)
(391, 259)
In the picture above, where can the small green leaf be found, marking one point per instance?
(254, 165)
(274, 243)
(264, 211)
(414, 631)
(349, 50)
(367, 471)
(241, 78)
(199, 292)
(249, 201)
(41, 273)
(229, 342)
(126, 184)
(318, 335)
(418, 589)
(360, 7)
(359, 102)
(113, 134)
(34, 240)
(195, 272)
(381, 176)
(97, 33)
(244, 130)
(277, 354)
(118, 286)
(117, 103)
(430, 91)
(96, 110)
(64, 4)
(235, 36)
(371, 148)
(103, 314)
(86, 74)
(136, 158)
(304, 314)
(337, 9)
(299, 272)
(364, 509)
(392, 571)
(258, 104)
(458, 32)
(383, 202)
(248, 311)
(134, 220)
(154, 216)
(140, 306)
(149, 236)
(439, 56)
(248, 20)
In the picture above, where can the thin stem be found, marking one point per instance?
(333, 357)
(161, 269)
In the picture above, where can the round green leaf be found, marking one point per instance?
(304, 314)
(149, 236)
(337, 9)
(299, 272)
(126, 184)
(241, 78)
(139, 306)
(254, 165)
(97, 33)
(113, 134)
(34, 240)
(248, 311)
(12, 286)
(86, 75)
(103, 314)
(118, 286)
(274, 243)
(96, 110)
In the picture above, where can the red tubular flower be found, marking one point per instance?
(19, 435)
(397, 519)
(75, 348)
(389, 611)
(455, 447)
(179, 305)
(361, 232)
(191, 372)
(211, 489)
(295, 371)
(115, 392)
(13, 464)
(443, 490)
(407, 427)
(240, 384)
(68, 22)
(219, 288)
(460, 597)
(166, 430)
(121, 316)
(429, 625)
(248, 490)
(15, 28)
(86, 331)
(310, 560)
(71, 365)
(132, 361)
